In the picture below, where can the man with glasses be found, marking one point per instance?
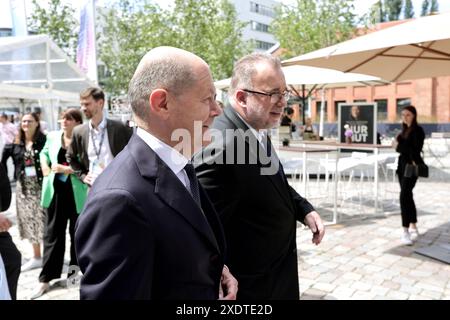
(257, 207)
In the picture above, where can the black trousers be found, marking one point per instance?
(6, 154)
(407, 205)
(61, 210)
(12, 260)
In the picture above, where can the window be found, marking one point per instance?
(257, 26)
(401, 103)
(5, 32)
(336, 108)
(262, 9)
(263, 45)
(382, 113)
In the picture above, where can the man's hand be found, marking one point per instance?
(228, 285)
(314, 222)
(89, 179)
(5, 224)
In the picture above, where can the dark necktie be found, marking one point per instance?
(193, 181)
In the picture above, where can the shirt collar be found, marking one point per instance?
(101, 126)
(258, 134)
(174, 160)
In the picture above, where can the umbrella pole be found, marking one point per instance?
(322, 108)
(303, 103)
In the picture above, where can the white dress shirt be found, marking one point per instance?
(95, 136)
(171, 157)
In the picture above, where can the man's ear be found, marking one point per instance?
(241, 98)
(158, 103)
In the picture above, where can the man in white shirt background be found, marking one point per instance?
(97, 142)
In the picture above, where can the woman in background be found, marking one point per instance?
(63, 196)
(30, 215)
(409, 144)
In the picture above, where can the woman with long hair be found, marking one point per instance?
(63, 197)
(409, 145)
(30, 215)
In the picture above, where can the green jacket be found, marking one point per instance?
(49, 155)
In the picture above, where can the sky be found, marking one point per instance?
(361, 7)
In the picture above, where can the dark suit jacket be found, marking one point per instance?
(19, 153)
(77, 153)
(142, 236)
(258, 213)
(5, 190)
(410, 148)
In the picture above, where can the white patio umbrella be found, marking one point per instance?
(415, 49)
(313, 77)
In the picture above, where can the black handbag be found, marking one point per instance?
(414, 170)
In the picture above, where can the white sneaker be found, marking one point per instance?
(406, 239)
(414, 234)
(42, 289)
(33, 263)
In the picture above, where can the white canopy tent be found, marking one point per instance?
(35, 68)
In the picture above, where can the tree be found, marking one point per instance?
(425, 5)
(128, 32)
(376, 13)
(204, 27)
(434, 8)
(210, 29)
(393, 9)
(56, 20)
(409, 9)
(309, 25)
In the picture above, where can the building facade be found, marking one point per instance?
(431, 96)
(258, 14)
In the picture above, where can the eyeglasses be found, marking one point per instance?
(274, 97)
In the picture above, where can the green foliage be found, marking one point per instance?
(434, 8)
(425, 5)
(377, 13)
(56, 20)
(129, 30)
(393, 9)
(203, 27)
(309, 25)
(211, 30)
(409, 9)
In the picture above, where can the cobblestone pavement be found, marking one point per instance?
(363, 258)
(359, 258)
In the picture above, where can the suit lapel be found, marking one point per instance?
(170, 189)
(254, 148)
(110, 131)
(85, 144)
(279, 179)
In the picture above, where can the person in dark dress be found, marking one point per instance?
(409, 144)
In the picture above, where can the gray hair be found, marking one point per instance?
(245, 69)
(161, 73)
